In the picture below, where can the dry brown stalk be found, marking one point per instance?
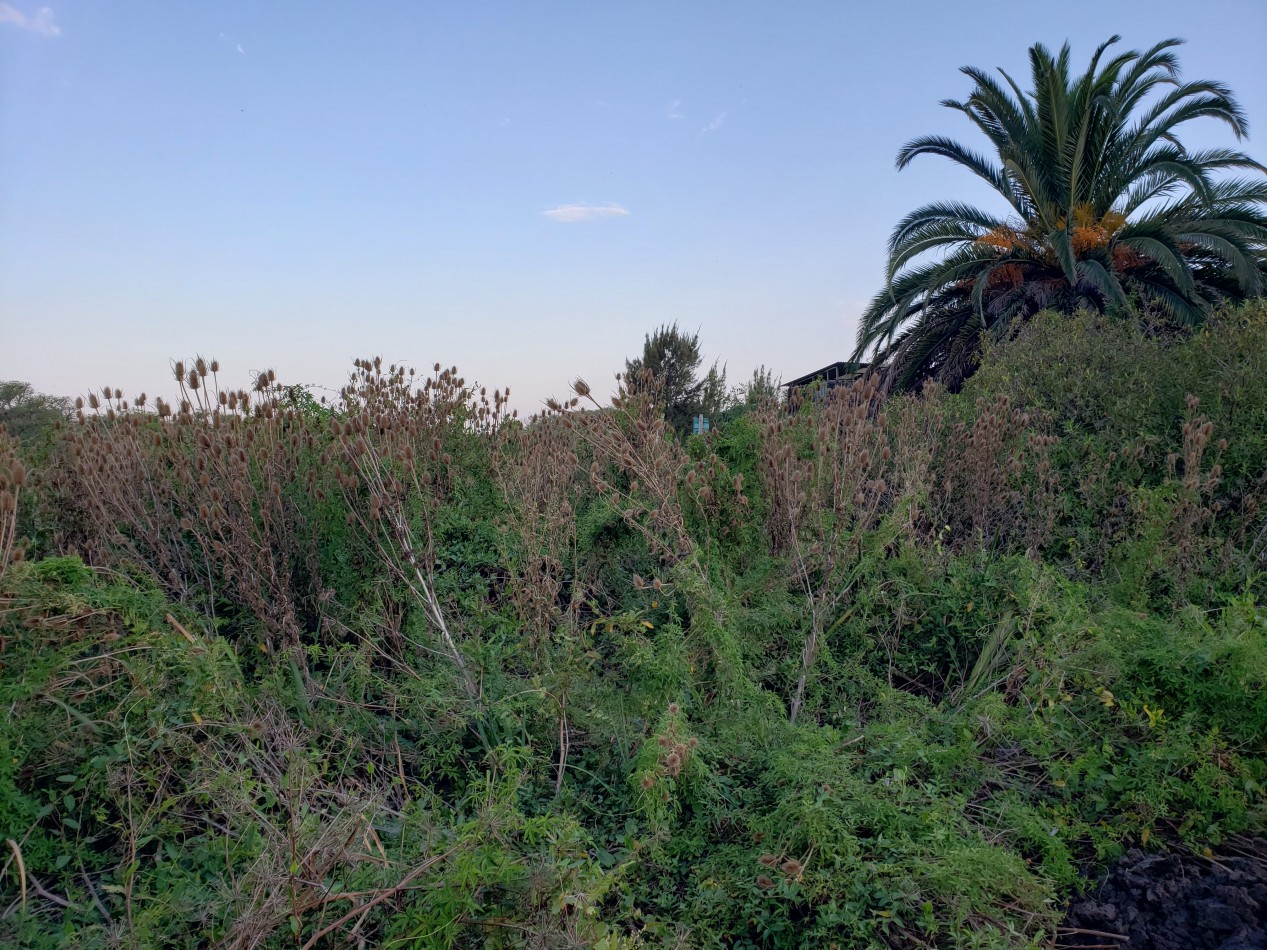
(12, 479)
(826, 470)
(195, 496)
(638, 464)
(536, 468)
(394, 442)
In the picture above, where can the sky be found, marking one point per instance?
(520, 189)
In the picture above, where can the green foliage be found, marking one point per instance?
(28, 415)
(671, 361)
(536, 687)
(1105, 209)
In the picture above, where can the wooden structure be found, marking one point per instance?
(830, 376)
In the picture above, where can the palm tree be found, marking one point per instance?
(1105, 207)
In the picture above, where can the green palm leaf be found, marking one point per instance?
(1105, 205)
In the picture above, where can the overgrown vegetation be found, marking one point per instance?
(408, 671)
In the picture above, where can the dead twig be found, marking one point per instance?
(362, 909)
(17, 856)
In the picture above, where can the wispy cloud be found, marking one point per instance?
(226, 38)
(570, 214)
(42, 21)
(674, 110)
(716, 124)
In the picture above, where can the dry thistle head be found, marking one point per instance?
(792, 867)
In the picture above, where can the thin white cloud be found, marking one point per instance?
(674, 110)
(232, 41)
(42, 21)
(716, 124)
(570, 214)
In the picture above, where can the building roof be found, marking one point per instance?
(830, 373)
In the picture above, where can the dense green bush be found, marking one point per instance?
(408, 672)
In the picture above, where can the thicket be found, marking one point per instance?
(408, 671)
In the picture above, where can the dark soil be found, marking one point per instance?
(1176, 901)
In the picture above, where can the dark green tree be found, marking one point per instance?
(26, 413)
(1104, 207)
(670, 363)
(763, 387)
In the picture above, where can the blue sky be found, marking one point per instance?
(520, 189)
